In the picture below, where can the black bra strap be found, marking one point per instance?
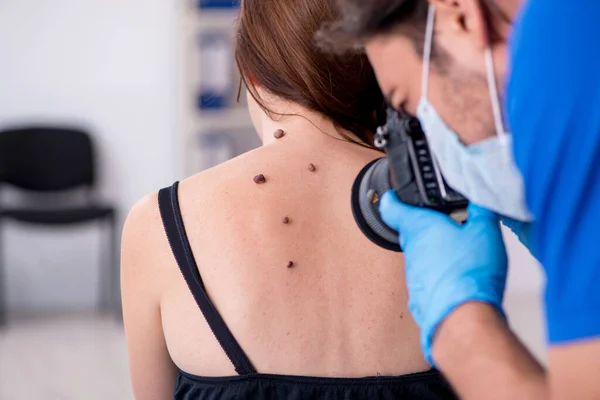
(171, 216)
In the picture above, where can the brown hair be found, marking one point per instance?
(276, 50)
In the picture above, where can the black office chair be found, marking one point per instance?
(42, 161)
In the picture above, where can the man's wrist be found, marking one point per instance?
(461, 328)
(476, 351)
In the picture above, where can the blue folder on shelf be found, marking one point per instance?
(216, 71)
(218, 3)
(208, 101)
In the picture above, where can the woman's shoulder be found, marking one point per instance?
(145, 213)
(247, 189)
(249, 180)
(142, 229)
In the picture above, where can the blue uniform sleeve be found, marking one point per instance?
(553, 107)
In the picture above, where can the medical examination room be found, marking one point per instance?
(296, 199)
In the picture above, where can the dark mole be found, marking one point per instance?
(311, 167)
(260, 179)
(286, 220)
(401, 316)
(290, 264)
(279, 133)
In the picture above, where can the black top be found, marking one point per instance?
(249, 384)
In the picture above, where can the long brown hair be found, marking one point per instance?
(276, 50)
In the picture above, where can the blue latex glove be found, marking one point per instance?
(447, 264)
(523, 230)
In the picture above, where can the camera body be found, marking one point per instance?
(414, 173)
(410, 170)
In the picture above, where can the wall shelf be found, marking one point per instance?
(210, 19)
(195, 26)
(235, 117)
(215, 19)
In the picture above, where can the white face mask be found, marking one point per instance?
(484, 172)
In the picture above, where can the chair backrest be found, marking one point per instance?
(46, 158)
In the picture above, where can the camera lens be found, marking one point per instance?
(370, 184)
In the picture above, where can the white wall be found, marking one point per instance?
(110, 65)
(523, 299)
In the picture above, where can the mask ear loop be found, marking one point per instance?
(427, 46)
(427, 51)
(491, 77)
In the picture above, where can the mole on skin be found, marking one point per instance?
(279, 133)
(311, 167)
(258, 179)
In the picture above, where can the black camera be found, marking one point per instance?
(410, 170)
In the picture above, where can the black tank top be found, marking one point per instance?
(249, 384)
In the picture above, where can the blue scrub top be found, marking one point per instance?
(553, 107)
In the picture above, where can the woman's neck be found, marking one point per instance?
(297, 123)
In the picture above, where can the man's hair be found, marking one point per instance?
(361, 20)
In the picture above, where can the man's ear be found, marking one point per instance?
(464, 17)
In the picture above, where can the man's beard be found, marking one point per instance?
(467, 95)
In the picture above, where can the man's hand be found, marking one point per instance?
(447, 264)
(456, 276)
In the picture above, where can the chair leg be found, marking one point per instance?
(109, 289)
(3, 287)
(105, 267)
(115, 267)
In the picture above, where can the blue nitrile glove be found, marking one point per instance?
(447, 264)
(523, 230)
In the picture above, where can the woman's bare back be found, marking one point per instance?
(311, 296)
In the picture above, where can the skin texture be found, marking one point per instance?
(341, 310)
(473, 347)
